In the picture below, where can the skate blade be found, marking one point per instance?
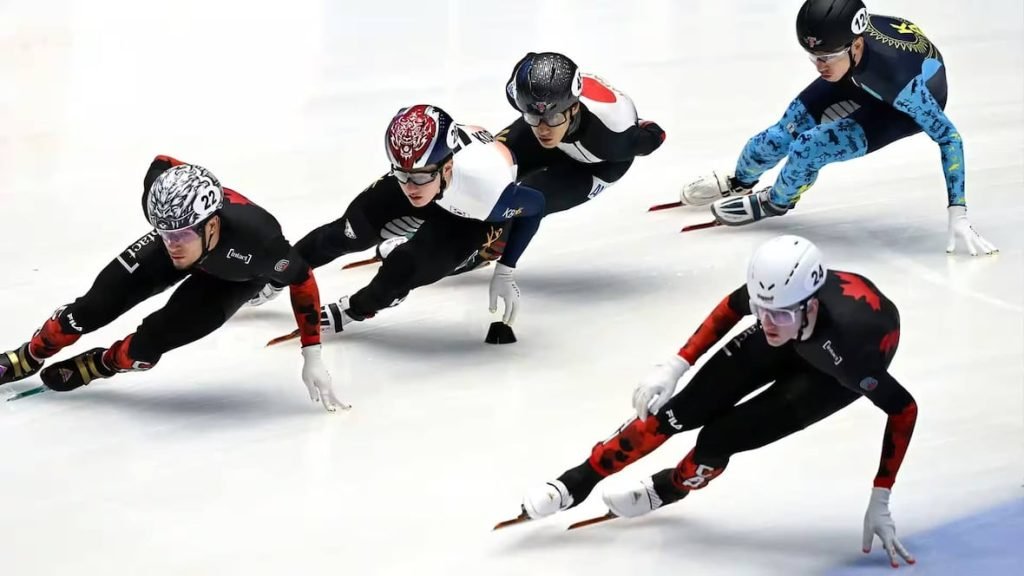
(27, 393)
(523, 517)
(701, 226)
(291, 336)
(359, 263)
(591, 521)
(657, 207)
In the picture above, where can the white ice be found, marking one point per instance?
(216, 462)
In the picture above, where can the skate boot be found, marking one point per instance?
(76, 371)
(571, 488)
(645, 496)
(18, 364)
(545, 500)
(747, 209)
(707, 189)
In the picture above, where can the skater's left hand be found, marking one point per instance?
(657, 131)
(878, 522)
(503, 285)
(266, 294)
(960, 229)
(318, 380)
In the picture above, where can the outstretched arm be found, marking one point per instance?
(727, 314)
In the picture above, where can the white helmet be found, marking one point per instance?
(785, 271)
(183, 196)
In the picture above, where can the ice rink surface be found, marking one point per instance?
(216, 462)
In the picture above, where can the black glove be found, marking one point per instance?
(653, 137)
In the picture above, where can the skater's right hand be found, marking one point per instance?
(503, 285)
(656, 388)
(960, 229)
(878, 522)
(318, 380)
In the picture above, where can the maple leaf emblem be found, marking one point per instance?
(235, 198)
(889, 341)
(855, 287)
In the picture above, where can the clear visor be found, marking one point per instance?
(179, 237)
(778, 317)
(418, 178)
(551, 119)
(827, 58)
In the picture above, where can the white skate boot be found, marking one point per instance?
(747, 209)
(707, 189)
(546, 499)
(633, 502)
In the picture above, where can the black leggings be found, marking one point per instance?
(442, 243)
(564, 182)
(796, 396)
(379, 212)
(200, 305)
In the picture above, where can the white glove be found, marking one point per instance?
(318, 380)
(960, 228)
(266, 294)
(503, 284)
(657, 387)
(878, 521)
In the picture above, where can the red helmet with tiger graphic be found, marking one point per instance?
(420, 136)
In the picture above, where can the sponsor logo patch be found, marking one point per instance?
(238, 256)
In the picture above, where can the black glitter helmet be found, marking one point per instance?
(544, 84)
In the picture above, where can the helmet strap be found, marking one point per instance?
(804, 322)
(849, 56)
(440, 175)
(206, 245)
(202, 238)
(576, 117)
